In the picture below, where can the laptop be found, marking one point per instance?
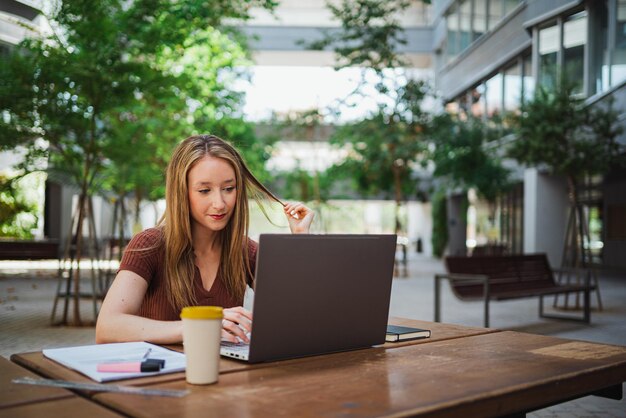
(317, 294)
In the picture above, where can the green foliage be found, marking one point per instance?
(464, 157)
(559, 131)
(370, 33)
(439, 237)
(116, 85)
(382, 153)
(385, 146)
(151, 126)
(299, 185)
(17, 216)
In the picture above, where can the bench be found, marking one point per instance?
(509, 277)
(29, 250)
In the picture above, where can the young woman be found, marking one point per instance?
(198, 254)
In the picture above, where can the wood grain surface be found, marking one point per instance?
(13, 394)
(485, 375)
(67, 408)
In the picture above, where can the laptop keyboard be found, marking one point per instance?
(235, 348)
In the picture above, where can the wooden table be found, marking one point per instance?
(36, 361)
(14, 395)
(29, 401)
(459, 372)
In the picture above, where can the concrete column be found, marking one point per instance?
(457, 224)
(614, 219)
(420, 226)
(546, 208)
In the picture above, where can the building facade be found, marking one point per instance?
(489, 57)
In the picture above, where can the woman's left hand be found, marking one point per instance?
(299, 217)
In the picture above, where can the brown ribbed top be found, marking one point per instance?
(149, 265)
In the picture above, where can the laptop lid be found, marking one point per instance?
(317, 294)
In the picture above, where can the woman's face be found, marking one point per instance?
(212, 193)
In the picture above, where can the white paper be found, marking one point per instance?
(85, 359)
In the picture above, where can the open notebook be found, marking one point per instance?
(317, 294)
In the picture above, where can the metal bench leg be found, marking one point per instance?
(486, 296)
(586, 316)
(587, 305)
(437, 298)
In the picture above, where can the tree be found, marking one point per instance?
(17, 215)
(464, 155)
(86, 96)
(195, 74)
(385, 145)
(559, 131)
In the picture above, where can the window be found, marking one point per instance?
(494, 96)
(495, 13)
(465, 24)
(452, 22)
(479, 18)
(548, 49)
(598, 49)
(528, 83)
(512, 88)
(618, 67)
(574, 39)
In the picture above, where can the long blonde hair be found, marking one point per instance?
(176, 221)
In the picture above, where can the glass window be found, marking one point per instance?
(452, 21)
(465, 24)
(528, 84)
(480, 18)
(598, 50)
(494, 96)
(512, 88)
(574, 40)
(495, 13)
(548, 49)
(618, 67)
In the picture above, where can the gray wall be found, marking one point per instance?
(546, 209)
(457, 225)
(288, 38)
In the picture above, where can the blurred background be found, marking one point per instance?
(462, 125)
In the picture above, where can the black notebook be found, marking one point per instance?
(398, 333)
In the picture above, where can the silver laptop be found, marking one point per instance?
(318, 294)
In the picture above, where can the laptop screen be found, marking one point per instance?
(320, 293)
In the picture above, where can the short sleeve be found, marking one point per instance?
(142, 255)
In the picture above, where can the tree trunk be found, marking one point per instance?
(576, 229)
(575, 255)
(397, 183)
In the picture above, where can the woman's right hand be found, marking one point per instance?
(236, 325)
